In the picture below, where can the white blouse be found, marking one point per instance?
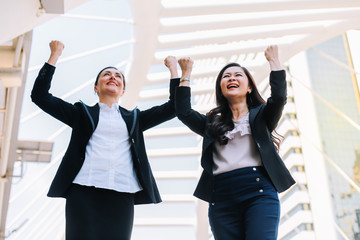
(108, 162)
(239, 152)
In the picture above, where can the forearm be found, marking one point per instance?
(42, 83)
(185, 78)
(275, 104)
(53, 59)
(186, 65)
(156, 115)
(191, 118)
(161, 113)
(173, 72)
(278, 85)
(275, 65)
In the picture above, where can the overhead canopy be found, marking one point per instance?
(216, 32)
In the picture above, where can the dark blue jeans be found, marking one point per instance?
(245, 207)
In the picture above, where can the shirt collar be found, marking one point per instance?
(114, 106)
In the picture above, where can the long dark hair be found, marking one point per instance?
(220, 117)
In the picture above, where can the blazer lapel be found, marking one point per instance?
(253, 114)
(94, 113)
(128, 117)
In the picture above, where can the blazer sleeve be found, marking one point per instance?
(159, 114)
(277, 100)
(54, 106)
(191, 118)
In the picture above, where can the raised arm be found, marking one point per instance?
(191, 118)
(164, 112)
(40, 95)
(276, 102)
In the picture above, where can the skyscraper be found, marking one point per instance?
(325, 95)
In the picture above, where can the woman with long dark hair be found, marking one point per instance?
(105, 169)
(242, 170)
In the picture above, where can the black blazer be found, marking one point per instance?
(83, 120)
(263, 120)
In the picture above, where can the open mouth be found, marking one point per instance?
(232, 86)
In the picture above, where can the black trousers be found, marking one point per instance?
(96, 214)
(246, 206)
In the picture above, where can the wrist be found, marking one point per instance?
(184, 82)
(186, 73)
(184, 79)
(185, 76)
(174, 74)
(53, 60)
(275, 65)
(55, 54)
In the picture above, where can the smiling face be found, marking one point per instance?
(234, 83)
(110, 82)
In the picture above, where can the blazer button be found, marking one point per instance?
(258, 145)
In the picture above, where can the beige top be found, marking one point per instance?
(239, 152)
